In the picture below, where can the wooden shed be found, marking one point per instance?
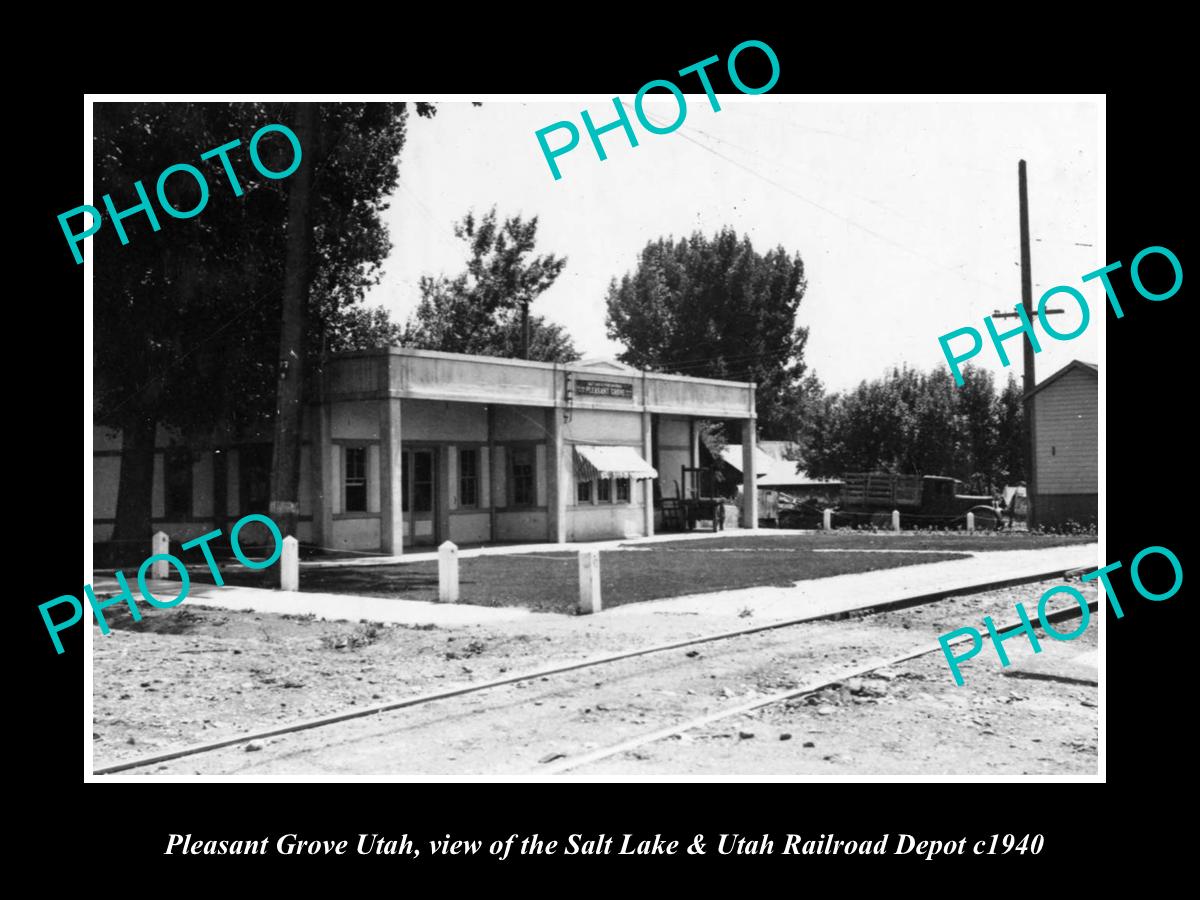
(1065, 438)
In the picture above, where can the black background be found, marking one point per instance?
(1150, 403)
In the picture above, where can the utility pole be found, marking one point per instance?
(1029, 435)
(1030, 379)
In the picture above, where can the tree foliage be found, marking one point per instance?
(479, 311)
(912, 422)
(717, 308)
(186, 319)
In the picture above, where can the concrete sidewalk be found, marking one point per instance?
(326, 606)
(815, 597)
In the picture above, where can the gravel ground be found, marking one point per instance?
(200, 674)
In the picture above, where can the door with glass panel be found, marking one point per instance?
(417, 496)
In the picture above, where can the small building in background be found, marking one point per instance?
(782, 484)
(1063, 486)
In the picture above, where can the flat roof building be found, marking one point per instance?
(409, 448)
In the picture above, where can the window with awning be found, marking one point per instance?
(593, 461)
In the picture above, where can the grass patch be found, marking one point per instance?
(549, 582)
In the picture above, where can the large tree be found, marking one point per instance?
(715, 307)
(484, 310)
(335, 242)
(187, 320)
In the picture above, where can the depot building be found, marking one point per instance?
(410, 448)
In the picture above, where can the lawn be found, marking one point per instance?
(548, 582)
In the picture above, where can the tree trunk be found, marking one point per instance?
(135, 487)
(285, 464)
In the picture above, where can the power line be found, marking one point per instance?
(828, 211)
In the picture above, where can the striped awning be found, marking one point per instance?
(593, 461)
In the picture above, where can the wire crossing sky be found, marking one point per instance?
(905, 214)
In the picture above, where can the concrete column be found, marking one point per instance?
(828, 523)
(647, 483)
(326, 488)
(556, 485)
(159, 544)
(289, 565)
(896, 521)
(749, 476)
(448, 573)
(491, 448)
(970, 521)
(391, 524)
(442, 490)
(589, 582)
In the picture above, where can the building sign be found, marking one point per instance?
(603, 389)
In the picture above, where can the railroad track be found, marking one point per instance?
(660, 734)
(813, 687)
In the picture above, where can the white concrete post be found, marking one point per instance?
(160, 543)
(589, 581)
(289, 565)
(896, 521)
(970, 521)
(828, 523)
(448, 573)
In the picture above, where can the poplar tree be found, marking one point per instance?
(189, 320)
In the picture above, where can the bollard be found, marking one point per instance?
(160, 544)
(828, 523)
(289, 565)
(589, 582)
(448, 573)
(970, 521)
(896, 521)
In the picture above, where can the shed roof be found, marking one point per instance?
(772, 472)
(1073, 365)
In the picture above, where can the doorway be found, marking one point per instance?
(417, 493)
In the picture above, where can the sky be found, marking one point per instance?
(904, 213)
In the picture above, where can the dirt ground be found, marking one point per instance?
(200, 674)
(907, 720)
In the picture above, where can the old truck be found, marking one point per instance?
(924, 501)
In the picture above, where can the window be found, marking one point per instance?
(177, 483)
(622, 490)
(254, 468)
(356, 480)
(583, 492)
(468, 477)
(522, 477)
(604, 489)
